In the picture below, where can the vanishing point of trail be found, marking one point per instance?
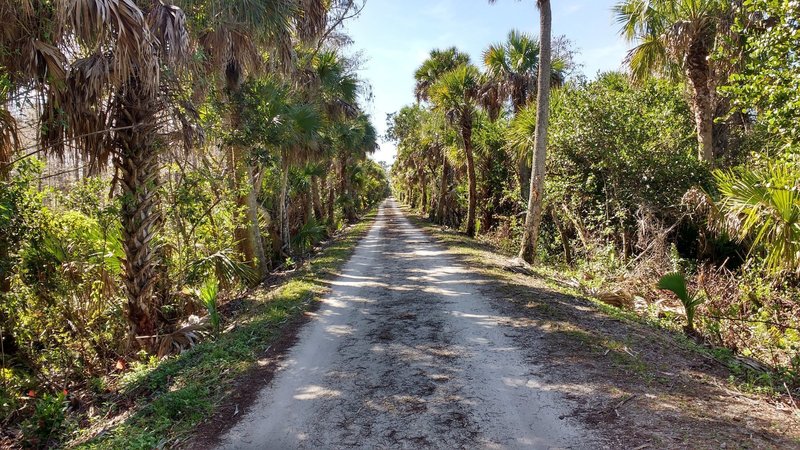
(406, 352)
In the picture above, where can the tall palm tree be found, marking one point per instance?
(512, 66)
(301, 124)
(455, 95)
(438, 63)
(288, 128)
(678, 37)
(534, 214)
(512, 69)
(356, 139)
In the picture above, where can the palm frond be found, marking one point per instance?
(521, 133)
(121, 25)
(764, 205)
(649, 56)
(313, 19)
(168, 24)
(223, 266)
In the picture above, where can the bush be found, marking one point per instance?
(617, 152)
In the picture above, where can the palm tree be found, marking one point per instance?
(288, 128)
(674, 37)
(512, 70)
(418, 148)
(232, 35)
(355, 139)
(335, 89)
(106, 98)
(301, 124)
(512, 67)
(764, 205)
(438, 63)
(455, 95)
(535, 199)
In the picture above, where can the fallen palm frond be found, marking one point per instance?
(182, 339)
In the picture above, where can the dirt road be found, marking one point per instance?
(407, 352)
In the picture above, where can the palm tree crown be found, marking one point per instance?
(438, 63)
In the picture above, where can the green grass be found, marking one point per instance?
(176, 394)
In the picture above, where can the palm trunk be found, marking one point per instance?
(283, 208)
(562, 233)
(308, 204)
(254, 231)
(136, 160)
(331, 204)
(698, 74)
(349, 213)
(442, 191)
(424, 202)
(524, 178)
(247, 232)
(466, 133)
(315, 198)
(534, 214)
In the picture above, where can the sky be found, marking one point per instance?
(395, 36)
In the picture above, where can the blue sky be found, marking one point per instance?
(395, 36)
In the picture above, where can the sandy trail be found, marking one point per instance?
(406, 352)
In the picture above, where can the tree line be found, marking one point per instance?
(155, 155)
(685, 165)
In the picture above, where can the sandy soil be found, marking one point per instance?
(417, 346)
(407, 352)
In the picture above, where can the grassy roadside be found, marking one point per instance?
(165, 400)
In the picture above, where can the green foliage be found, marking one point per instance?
(763, 205)
(676, 283)
(455, 94)
(178, 393)
(207, 293)
(768, 85)
(310, 233)
(223, 267)
(437, 64)
(617, 149)
(48, 419)
(667, 30)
